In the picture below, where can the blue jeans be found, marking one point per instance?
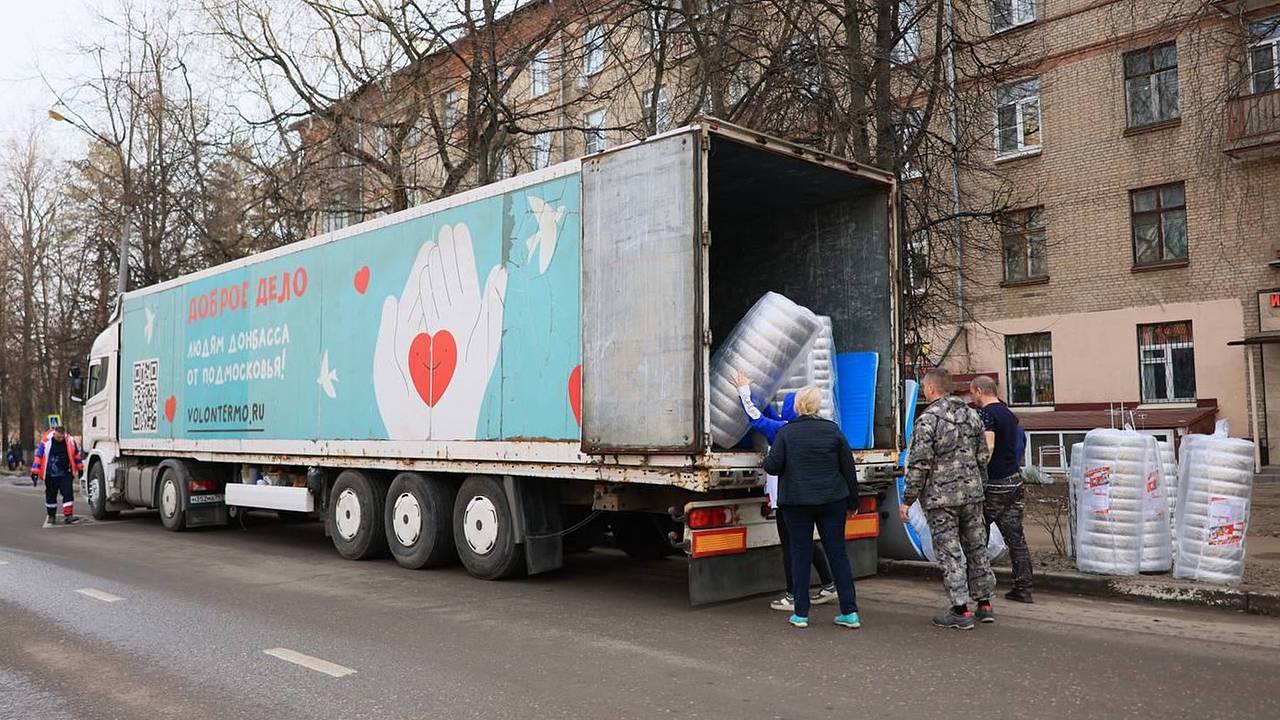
(829, 519)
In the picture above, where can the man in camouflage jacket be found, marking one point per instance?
(945, 472)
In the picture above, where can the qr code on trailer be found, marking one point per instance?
(146, 390)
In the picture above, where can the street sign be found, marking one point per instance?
(55, 420)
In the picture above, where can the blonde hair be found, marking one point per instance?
(808, 400)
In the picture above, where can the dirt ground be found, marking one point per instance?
(1046, 508)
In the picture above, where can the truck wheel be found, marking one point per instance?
(172, 501)
(417, 520)
(484, 531)
(96, 488)
(355, 514)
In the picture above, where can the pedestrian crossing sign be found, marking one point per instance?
(54, 421)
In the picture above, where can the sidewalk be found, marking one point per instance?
(1259, 593)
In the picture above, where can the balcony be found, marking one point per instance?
(1253, 126)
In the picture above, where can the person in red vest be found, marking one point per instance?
(57, 462)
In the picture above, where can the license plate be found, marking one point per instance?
(206, 499)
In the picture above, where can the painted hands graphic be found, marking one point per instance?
(438, 343)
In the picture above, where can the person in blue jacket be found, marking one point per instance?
(767, 421)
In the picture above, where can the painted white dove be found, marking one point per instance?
(327, 377)
(543, 242)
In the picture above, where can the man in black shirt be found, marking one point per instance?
(1003, 502)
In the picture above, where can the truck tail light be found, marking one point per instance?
(709, 517)
(722, 541)
(867, 504)
(195, 485)
(861, 525)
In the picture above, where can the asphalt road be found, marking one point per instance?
(122, 619)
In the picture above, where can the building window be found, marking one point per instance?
(1159, 216)
(1030, 363)
(593, 50)
(1151, 84)
(1018, 118)
(656, 118)
(918, 262)
(334, 220)
(1264, 55)
(449, 108)
(1023, 239)
(593, 135)
(1007, 14)
(907, 48)
(539, 75)
(906, 129)
(541, 150)
(1167, 362)
(1051, 450)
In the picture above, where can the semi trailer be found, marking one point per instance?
(507, 374)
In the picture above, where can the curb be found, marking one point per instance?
(1153, 589)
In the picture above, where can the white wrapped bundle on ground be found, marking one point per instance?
(1112, 501)
(764, 345)
(1213, 508)
(1169, 466)
(1157, 533)
(816, 367)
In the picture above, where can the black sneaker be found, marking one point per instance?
(953, 619)
(984, 613)
(1016, 595)
(48, 522)
(71, 520)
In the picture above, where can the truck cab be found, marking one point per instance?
(101, 406)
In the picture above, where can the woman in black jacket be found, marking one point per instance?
(817, 484)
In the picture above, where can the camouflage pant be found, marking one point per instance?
(1005, 509)
(960, 542)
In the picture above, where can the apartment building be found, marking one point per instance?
(1138, 282)
(1143, 275)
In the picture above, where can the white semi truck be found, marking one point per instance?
(500, 375)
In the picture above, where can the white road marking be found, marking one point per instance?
(99, 595)
(4, 562)
(311, 663)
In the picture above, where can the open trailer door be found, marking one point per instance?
(643, 339)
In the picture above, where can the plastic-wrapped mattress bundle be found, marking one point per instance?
(1213, 508)
(1117, 519)
(816, 367)
(1157, 533)
(1170, 478)
(764, 345)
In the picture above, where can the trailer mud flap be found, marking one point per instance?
(729, 577)
(536, 505)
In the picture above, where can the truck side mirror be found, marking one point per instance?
(76, 385)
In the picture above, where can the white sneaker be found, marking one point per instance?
(786, 603)
(823, 595)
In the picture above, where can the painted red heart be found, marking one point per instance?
(575, 393)
(362, 279)
(432, 360)
(170, 407)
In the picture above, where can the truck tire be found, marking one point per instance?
(355, 515)
(96, 488)
(418, 520)
(484, 530)
(171, 498)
